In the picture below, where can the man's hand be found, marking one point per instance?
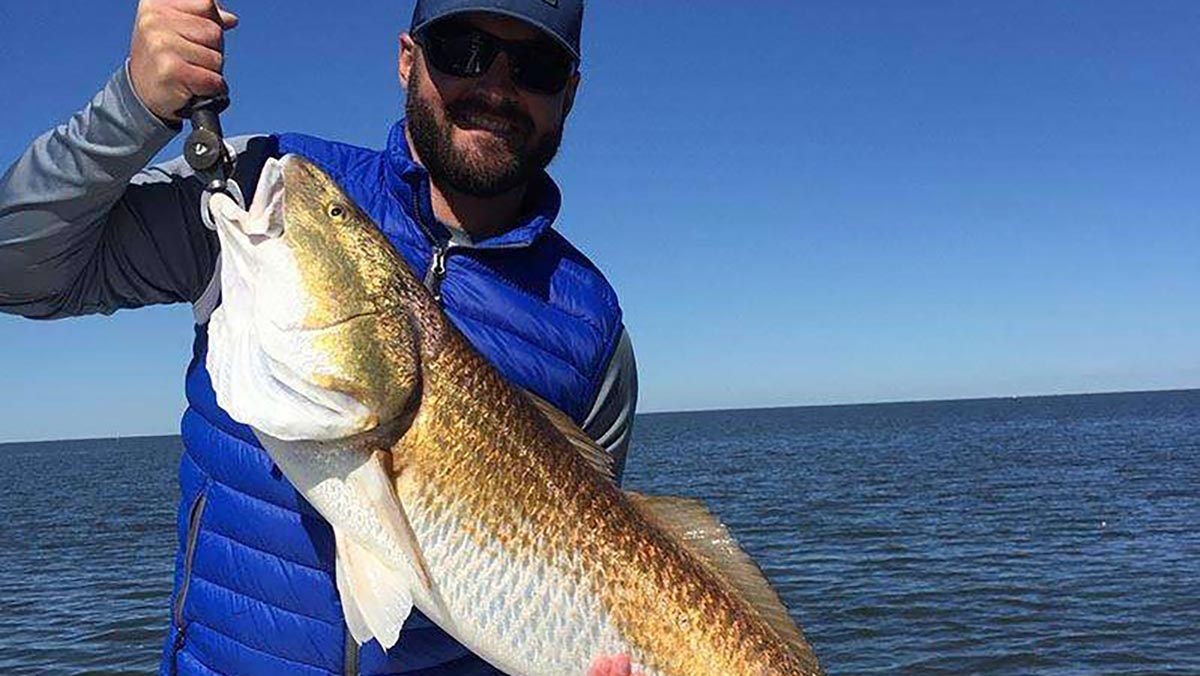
(612, 666)
(177, 52)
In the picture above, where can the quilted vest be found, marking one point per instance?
(254, 584)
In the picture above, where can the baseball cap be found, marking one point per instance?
(560, 19)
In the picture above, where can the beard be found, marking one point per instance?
(509, 160)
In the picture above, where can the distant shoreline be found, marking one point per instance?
(899, 402)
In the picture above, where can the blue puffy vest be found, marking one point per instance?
(254, 582)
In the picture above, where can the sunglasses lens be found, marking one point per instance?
(458, 49)
(542, 67)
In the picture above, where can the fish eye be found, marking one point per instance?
(336, 211)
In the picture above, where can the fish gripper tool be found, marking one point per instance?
(204, 148)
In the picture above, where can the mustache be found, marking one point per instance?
(503, 109)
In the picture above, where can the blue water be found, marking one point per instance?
(1049, 535)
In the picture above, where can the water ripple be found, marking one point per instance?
(1031, 536)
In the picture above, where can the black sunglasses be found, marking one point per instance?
(457, 48)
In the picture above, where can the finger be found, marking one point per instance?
(208, 8)
(602, 666)
(201, 81)
(199, 55)
(620, 665)
(198, 29)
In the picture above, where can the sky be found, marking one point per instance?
(799, 202)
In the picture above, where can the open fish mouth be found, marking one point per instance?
(268, 354)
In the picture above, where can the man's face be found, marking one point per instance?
(484, 135)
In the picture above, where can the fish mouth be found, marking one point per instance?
(268, 367)
(341, 321)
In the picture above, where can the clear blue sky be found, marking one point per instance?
(799, 202)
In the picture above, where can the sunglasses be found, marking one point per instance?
(457, 48)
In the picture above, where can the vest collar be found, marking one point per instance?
(410, 183)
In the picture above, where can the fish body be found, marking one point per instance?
(447, 487)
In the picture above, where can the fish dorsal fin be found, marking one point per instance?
(595, 454)
(694, 527)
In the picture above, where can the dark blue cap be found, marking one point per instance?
(561, 19)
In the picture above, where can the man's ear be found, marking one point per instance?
(569, 97)
(408, 56)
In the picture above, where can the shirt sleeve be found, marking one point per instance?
(85, 228)
(610, 422)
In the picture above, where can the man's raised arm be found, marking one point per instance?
(83, 227)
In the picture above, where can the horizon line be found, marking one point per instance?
(887, 402)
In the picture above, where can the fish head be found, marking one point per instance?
(309, 341)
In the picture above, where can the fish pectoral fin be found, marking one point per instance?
(594, 454)
(695, 528)
(355, 620)
(379, 562)
(376, 598)
(384, 494)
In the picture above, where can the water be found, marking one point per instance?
(1028, 536)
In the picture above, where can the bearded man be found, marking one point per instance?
(461, 192)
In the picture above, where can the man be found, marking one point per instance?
(461, 193)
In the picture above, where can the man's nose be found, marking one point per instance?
(499, 75)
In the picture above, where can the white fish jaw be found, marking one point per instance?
(264, 364)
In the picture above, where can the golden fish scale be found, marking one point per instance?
(479, 448)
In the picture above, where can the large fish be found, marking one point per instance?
(447, 487)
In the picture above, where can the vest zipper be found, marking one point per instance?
(437, 262)
(189, 557)
(437, 269)
(350, 663)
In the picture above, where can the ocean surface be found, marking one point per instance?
(1039, 535)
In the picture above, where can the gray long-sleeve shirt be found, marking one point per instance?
(86, 228)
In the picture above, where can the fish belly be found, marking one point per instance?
(524, 613)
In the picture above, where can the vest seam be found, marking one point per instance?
(216, 425)
(526, 341)
(234, 489)
(264, 552)
(280, 508)
(192, 654)
(263, 602)
(262, 500)
(256, 650)
(529, 294)
(582, 268)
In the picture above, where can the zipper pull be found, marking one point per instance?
(437, 272)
